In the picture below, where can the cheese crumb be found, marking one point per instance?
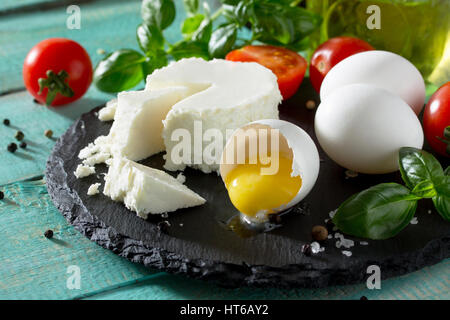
(97, 158)
(364, 243)
(83, 171)
(93, 189)
(108, 112)
(414, 221)
(181, 178)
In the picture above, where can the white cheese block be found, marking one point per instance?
(146, 190)
(225, 96)
(107, 113)
(137, 127)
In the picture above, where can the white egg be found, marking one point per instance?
(362, 127)
(293, 142)
(380, 68)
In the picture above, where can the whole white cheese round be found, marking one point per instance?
(362, 127)
(380, 68)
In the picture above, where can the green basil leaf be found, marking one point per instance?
(442, 199)
(424, 189)
(187, 49)
(222, 40)
(191, 24)
(278, 23)
(239, 13)
(447, 171)
(191, 6)
(418, 165)
(204, 31)
(119, 71)
(154, 61)
(301, 45)
(159, 13)
(379, 212)
(230, 2)
(150, 38)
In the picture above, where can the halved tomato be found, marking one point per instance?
(287, 65)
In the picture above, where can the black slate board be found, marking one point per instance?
(199, 244)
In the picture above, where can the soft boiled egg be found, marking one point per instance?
(362, 127)
(268, 166)
(383, 69)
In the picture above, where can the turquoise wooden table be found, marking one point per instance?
(33, 267)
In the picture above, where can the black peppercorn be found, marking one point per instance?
(319, 233)
(23, 145)
(2, 195)
(48, 133)
(19, 135)
(306, 249)
(48, 234)
(12, 147)
(6, 122)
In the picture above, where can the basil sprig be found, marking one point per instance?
(276, 22)
(382, 211)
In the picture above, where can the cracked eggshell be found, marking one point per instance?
(294, 143)
(383, 69)
(362, 127)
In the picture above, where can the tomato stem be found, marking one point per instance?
(446, 139)
(56, 83)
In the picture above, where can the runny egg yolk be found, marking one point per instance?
(252, 193)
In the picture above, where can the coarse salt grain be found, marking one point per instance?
(332, 213)
(414, 221)
(316, 248)
(347, 253)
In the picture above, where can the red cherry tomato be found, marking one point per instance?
(287, 65)
(330, 53)
(61, 68)
(436, 118)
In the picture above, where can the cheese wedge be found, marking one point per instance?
(145, 190)
(137, 127)
(225, 96)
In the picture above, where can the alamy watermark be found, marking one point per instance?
(374, 280)
(73, 21)
(73, 281)
(374, 20)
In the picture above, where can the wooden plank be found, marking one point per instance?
(33, 119)
(107, 25)
(34, 267)
(428, 283)
(9, 5)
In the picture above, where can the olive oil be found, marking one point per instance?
(415, 29)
